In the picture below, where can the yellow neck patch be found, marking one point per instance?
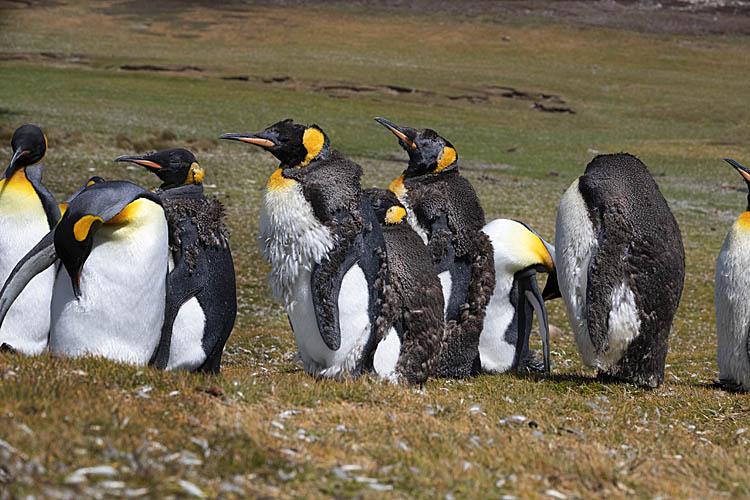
(82, 227)
(743, 221)
(313, 140)
(394, 215)
(129, 213)
(447, 158)
(398, 187)
(195, 175)
(279, 182)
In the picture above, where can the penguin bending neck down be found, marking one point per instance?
(732, 283)
(27, 212)
(621, 268)
(325, 248)
(112, 241)
(201, 302)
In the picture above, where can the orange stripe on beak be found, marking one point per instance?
(265, 143)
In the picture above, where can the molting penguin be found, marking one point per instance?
(621, 268)
(27, 212)
(444, 210)
(412, 313)
(113, 243)
(201, 293)
(325, 247)
(732, 283)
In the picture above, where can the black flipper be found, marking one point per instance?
(34, 262)
(183, 283)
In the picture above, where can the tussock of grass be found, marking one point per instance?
(265, 429)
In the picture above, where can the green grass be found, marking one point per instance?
(265, 429)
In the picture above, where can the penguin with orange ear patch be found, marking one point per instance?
(412, 316)
(201, 302)
(444, 210)
(732, 282)
(326, 250)
(27, 212)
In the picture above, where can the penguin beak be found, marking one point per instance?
(528, 289)
(37, 260)
(744, 172)
(399, 132)
(140, 160)
(552, 287)
(254, 139)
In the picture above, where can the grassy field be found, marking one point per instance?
(92, 428)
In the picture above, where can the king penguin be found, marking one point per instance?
(519, 254)
(27, 212)
(412, 312)
(621, 268)
(113, 243)
(201, 292)
(732, 283)
(325, 247)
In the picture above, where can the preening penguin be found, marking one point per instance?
(412, 313)
(27, 212)
(444, 210)
(325, 247)
(112, 241)
(519, 253)
(621, 268)
(201, 300)
(732, 283)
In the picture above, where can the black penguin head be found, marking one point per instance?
(97, 203)
(175, 167)
(388, 210)
(745, 173)
(294, 145)
(29, 146)
(429, 153)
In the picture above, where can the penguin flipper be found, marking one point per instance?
(183, 283)
(328, 275)
(606, 271)
(34, 262)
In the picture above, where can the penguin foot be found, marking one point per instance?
(531, 364)
(5, 347)
(728, 385)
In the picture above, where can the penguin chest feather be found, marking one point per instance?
(123, 287)
(732, 282)
(23, 223)
(575, 242)
(291, 238)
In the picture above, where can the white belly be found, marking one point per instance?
(386, 356)
(446, 282)
(495, 353)
(26, 325)
(186, 350)
(732, 283)
(354, 321)
(121, 309)
(575, 241)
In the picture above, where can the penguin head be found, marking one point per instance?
(388, 210)
(293, 144)
(97, 204)
(29, 146)
(175, 167)
(745, 173)
(429, 153)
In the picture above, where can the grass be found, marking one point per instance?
(263, 428)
